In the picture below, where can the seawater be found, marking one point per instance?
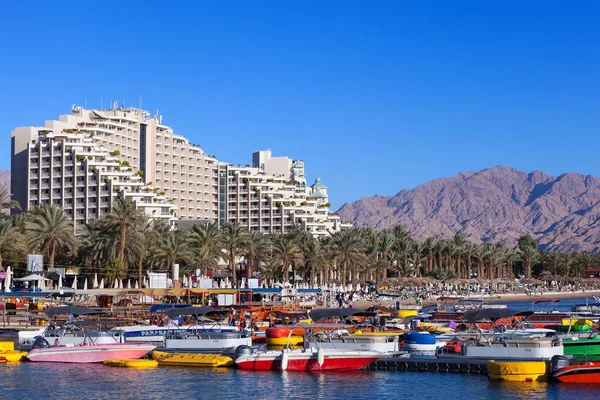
(93, 381)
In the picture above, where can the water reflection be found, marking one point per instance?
(65, 381)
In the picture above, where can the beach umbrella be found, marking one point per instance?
(74, 286)
(7, 280)
(116, 284)
(128, 284)
(102, 283)
(120, 283)
(137, 285)
(85, 284)
(95, 286)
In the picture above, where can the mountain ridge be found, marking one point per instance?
(495, 204)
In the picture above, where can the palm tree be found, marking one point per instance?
(172, 248)
(146, 235)
(312, 255)
(348, 247)
(6, 203)
(430, 245)
(386, 241)
(9, 235)
(326, 244)
(207, 245)
(459, 244)
(124, 215)
(285, 252)
(235, 239)
(256, 251)
(529, 255)
(49, 229)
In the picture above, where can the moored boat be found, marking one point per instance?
(575, 372)
(304, 360)
(86, 353)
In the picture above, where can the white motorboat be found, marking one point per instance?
(203, 341)
(72, 332)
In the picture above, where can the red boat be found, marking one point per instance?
(584, 372)
(307, 360)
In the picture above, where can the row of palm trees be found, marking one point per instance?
(126, 242)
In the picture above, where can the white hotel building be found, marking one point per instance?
(85, 160)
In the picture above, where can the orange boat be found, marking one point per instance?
(583, 372)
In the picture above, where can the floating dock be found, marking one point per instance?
(425, 364)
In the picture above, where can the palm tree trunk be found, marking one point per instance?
(232, 266)
(344, 271)
(51, 253)
(468, 268)
(250, 267)
(140, 272)
(312, 275)
(458, 269)
(122, 244)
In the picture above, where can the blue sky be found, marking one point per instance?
(373, 96)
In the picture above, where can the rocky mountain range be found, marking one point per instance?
(4, 179)
(498, 204)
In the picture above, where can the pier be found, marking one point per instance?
(425, 364)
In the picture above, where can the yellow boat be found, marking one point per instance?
(13, 355)
(192, 359)
(131, 363)
(406, 313)
(518, 371)
(282, 341)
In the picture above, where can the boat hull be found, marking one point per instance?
(89, 354)
(579, 373)
(307, 361)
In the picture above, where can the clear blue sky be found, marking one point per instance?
(374, 96)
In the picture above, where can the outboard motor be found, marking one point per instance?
(242, 350)
(40, 343)
(559, 362)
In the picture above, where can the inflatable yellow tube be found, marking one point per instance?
(13, 355)
(406, 313)
(521, 371)
(131, 363)
(7, 346)
(282, 341)
(193, 359)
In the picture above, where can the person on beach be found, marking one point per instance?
(382, 323)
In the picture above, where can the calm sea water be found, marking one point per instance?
(65, 381)
(69, 381)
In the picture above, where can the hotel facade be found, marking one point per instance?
(85, 160)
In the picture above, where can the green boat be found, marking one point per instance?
(583, 347)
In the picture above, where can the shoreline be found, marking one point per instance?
(487, 298)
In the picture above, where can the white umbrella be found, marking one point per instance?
(120, 284)
(7, 279)
(358, 287)
(128, 284)
(116, 284)
(60, 284)
(102, 283)
(74, 286)
(137, 285)
(95, 286)
(85, 284)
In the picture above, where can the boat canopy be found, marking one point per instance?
(544, 300)
(323, 313)
(198, 311)
(75, 310)
(494, 314)
(158, 307)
